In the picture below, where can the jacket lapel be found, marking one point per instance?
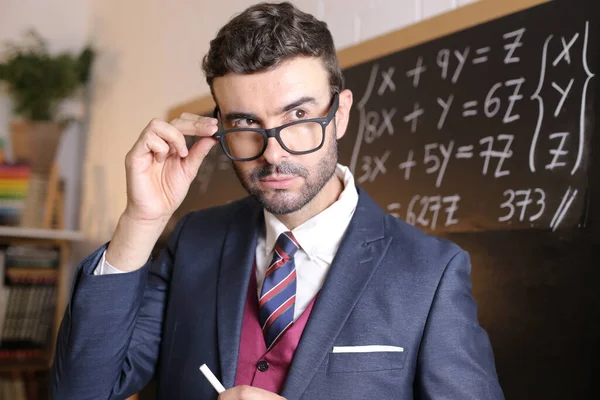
(234, 277)
(360, 252)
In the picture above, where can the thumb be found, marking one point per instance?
(197, 154)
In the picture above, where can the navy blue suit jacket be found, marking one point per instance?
(390, 284)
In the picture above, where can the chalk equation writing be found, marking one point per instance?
(414, 128)
(429, 211)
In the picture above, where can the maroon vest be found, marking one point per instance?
(257, 366)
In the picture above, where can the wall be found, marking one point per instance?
(149, 56)
(64, 24)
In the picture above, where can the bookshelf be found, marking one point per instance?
(62, 240)
(34, 263)
(39, 233)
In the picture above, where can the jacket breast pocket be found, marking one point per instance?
(357, 359)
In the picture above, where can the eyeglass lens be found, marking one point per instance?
(300, 137)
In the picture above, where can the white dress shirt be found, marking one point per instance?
(319, 240)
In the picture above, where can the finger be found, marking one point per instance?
(173, 150)
(195, 117)
(197, 154)
(186, 115)
(167, 133)
(158, 147)
(151, 142)
(198, 127)
(245, 392)
(236, 393)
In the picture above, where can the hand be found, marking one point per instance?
(248, 393)
(160, 169)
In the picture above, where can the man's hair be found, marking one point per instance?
(264, 36)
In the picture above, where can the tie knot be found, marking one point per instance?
(286, 245)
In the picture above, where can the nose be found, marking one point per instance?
(274, 153)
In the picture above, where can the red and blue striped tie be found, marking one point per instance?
(278, 294)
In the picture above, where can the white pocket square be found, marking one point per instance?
(367, 349)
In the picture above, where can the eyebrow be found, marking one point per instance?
(234, 115)
(298, 103)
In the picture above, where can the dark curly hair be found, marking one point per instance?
(267, 34)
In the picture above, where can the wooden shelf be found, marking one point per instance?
(24, 365)
(32, 272)
(37, 233)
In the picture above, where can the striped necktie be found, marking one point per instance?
(278, 293)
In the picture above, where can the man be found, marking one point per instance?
(304, 290)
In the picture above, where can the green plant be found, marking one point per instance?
(38, 81)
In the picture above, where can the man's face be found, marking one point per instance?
(297, 89)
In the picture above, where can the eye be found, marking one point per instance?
(244, 123)
(298, 114)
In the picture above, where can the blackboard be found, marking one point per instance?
(497, 123)
(485, 129)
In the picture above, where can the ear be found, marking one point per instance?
(343, 113)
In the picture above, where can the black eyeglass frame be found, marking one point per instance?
(276, 132)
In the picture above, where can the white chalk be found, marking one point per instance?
(212, 378)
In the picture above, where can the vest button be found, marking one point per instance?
(263, 366)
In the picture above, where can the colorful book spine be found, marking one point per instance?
(14, 186)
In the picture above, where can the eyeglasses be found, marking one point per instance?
(298, 137)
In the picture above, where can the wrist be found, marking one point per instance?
(130, 216)
(130, 219)
(133, 241)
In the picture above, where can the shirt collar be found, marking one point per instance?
(321, 235)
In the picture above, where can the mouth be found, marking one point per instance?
(277, 181)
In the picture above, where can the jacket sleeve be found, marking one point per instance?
(456, 359)
(108, 342)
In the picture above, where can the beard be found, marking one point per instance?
(282, 201)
